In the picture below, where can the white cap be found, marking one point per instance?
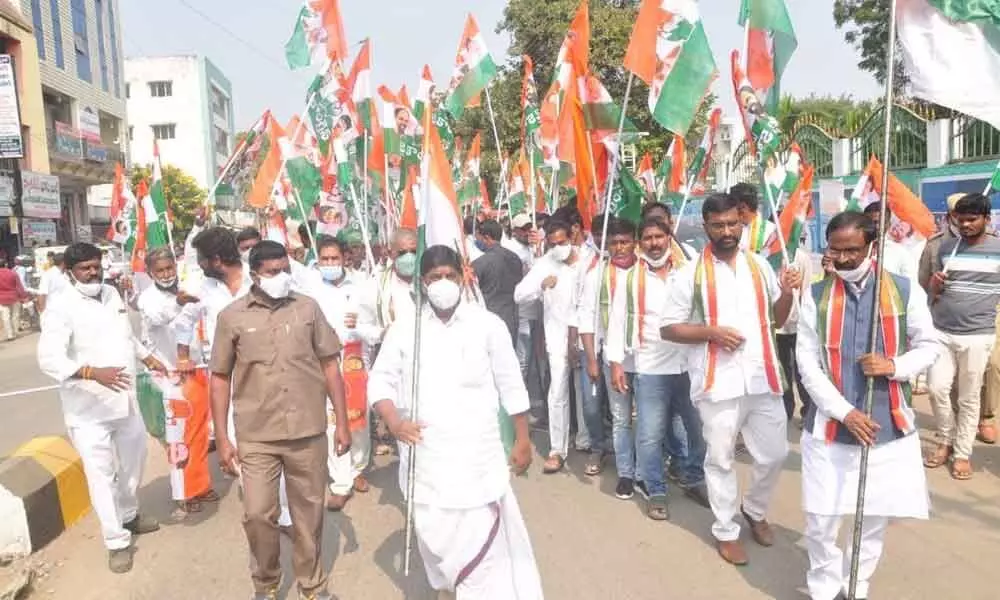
(520, 221)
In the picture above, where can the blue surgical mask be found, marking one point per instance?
(406, 264)
(331, 273)
(481, 246)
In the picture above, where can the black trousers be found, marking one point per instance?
(786, 356)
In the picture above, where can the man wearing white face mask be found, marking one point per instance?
(87, 346)
(470, 532)
(277, 360)
(553, 278)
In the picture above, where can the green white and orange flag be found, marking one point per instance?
(600, 113)
(517, 183)
(531, 119)
(390, 134)
(793, 217)
(411, 191)
(424, 92)
(675, 174)
(702, 160)
(318, 34)
(669, 51)
(470, 189)
(158, 221)
(359, 81)
(770, 44)
(139, 245)
(763, 134)
(474, 69)
(410, 132)
(575, 46)
(439, 219)
(646, 175)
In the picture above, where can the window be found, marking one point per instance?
(220, 103)
(130, 132)
(57, 40)
(161, 89)
(220, 141)
(80, 41)
(101, 58)
(166, 131)
(114, 47)
(36, 20)
(128, 90)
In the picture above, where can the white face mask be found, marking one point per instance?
(331, 273)
(276, 287)
(444, 294)
(658, 263)
(858, 273)
(561, 253)
(92, 290)
(166, 283)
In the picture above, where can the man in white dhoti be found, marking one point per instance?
(728, 303)
(834, 361)
(470, 533)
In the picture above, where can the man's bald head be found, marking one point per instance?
(404, 240)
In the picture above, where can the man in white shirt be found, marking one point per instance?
(786, 337)
(52, 282)
(553, 279)
(87, 346)
(337, 298)
(186, 431)
(722, 305)
(469, 529)
(757, 231)
(662, 385)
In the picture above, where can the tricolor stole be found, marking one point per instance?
(892, 319)
(635, 300)
(706, 302)
(384, 319)
(608, 283)
(355, 385)
(758, 231)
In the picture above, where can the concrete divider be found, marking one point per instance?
(43, 491)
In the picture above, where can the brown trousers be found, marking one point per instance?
(304, 464)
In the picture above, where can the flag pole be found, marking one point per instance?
(229, 165)
(614, 159)
(496, 140)
(362, 221)
(859, 510)
(774, 211)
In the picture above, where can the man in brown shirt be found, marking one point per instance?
(276, 357)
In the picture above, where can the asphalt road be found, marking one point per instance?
(588, 544)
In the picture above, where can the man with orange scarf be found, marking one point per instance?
(727, 303)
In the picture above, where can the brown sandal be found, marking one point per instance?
(595, 465)
(938, 456)
(961, 469)
(554, 464)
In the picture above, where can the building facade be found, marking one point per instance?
(184, 104)
(82, 89)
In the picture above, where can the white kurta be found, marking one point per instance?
(897, 485)
(382, 299)
(462, 482)
(157, 310)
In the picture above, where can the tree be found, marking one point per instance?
(841, 115)
(184, 195)
(866, 27)
(538, 29)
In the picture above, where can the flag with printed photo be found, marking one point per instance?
(646, 175)
(474, 69)
(425, 93)
(702, 160)
(770, 44)
(470, 190)
(763, 134)
(331, 111)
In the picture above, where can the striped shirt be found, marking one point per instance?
(968, 304)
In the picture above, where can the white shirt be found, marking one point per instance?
(383, 299)
(899, 260)
(53, 281)
(802, 262)
(336, 302)
(654, 356)
(558, 302)
(213, 297)
(739, 373)
(831, 404)
(587, 314)
(529, 311)
(468, 370)
(158, 310)
(79, 331)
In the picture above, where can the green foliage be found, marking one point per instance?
(837, 115)
(537, 29)
(183, 194)
(865, 24)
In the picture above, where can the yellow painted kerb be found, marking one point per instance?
(59, 458)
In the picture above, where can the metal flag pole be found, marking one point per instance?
(859, 511)
(496, 140)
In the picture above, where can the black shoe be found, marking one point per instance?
(141, 525)
(674, 471)
(625, 488)
(640, 486)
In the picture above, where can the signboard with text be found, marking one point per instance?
(68, 141)
(90, 123)
(39, 231)
(6, 196)
(11, 144)
(40, 195)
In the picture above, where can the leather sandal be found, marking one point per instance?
(553, 464)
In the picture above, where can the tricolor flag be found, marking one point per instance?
(140, 243)
(439, 219)
(120, 230)
(270, 167)
(331, 110)
(410, 132)
(359, 81)
(674, 180)
(646, 175)
(302, 171)
(952, 54)
(517, 197)
(762, 132)
(903, 203)
(702, 160)
(793, 219)
(576, 45)
(319, 33)
(157, 210)
(424, 93)
(470, 190)
(669, 51)
(600, 113)
(474, 69)
(411, 191)
(627, 197)
(531, 121)
(770, 44)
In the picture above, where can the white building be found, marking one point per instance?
(185, 104)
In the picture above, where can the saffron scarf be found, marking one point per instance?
(830, 317)
(355, 385)
(706, 301)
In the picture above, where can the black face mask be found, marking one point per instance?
(214, 272)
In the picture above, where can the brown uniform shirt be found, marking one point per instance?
(272, 350)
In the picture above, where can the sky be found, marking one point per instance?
(247, 44)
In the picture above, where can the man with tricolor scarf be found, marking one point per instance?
(835, 363)
(727, 304)
(757, 231)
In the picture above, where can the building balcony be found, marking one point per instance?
(90, 161)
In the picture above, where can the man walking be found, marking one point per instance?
(276, 359)
(964, 292)
(498, 271)
(12, 294)
(786, 338)
(87, 346)
(835, 363)
(723, 304)
(470, 531)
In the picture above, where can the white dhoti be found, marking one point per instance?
(896, 487)
(345, 469)
(481, 553)
(762, 421)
